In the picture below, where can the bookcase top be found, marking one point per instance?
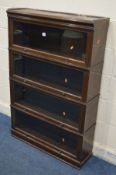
(56, 15)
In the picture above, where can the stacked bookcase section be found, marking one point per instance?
(56, 62)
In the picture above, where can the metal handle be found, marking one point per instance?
(66, 80)
(64, 114)
(63, 140)
(71, 47)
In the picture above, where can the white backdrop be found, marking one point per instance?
(105, 135)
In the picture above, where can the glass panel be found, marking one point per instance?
(52, 134)
(54, 107)
(60, 41)
(66, 79)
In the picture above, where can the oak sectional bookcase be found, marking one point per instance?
(56, 62)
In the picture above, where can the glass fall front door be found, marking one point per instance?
(54, 107)
(60, 77)
(54, 40)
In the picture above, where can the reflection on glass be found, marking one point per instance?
(49, 133)
(66, 79)
(59, 41)
(50, 105)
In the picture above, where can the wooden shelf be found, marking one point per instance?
(56, 62)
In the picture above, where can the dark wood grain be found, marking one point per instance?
(90, 63)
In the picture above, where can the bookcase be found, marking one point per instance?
(56, 62)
